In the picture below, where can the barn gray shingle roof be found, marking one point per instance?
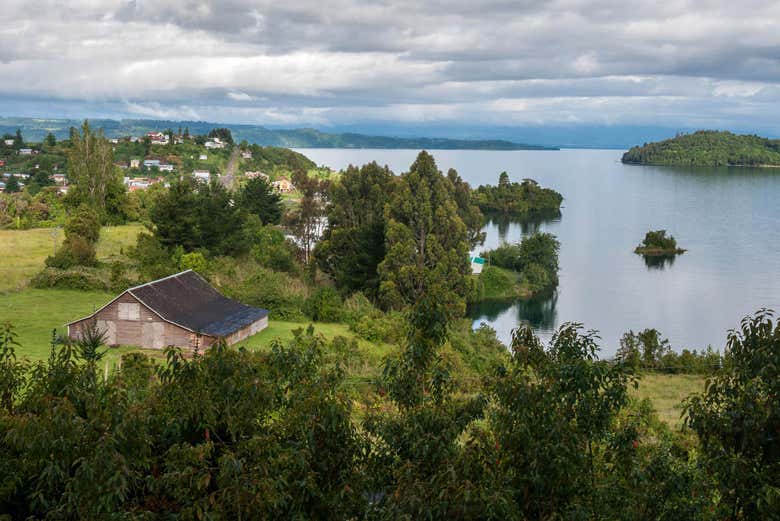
(188, 300)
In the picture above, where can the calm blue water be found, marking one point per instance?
(728, 219)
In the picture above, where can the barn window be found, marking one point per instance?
(129, 311)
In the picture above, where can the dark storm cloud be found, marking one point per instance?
(347, 60)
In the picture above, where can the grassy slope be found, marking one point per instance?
(23, 251)
(667, 391)
(35, 312)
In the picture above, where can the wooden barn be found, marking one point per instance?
(181, 310)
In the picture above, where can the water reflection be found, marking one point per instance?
(658, 262)
(504, 315)
(528, 224)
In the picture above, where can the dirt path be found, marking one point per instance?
(230, 171)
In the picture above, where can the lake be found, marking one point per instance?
(727, 218)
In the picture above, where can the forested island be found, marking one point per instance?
(657, 244)
(516, 199)
(708, 148)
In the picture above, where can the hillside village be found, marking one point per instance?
(154, 158)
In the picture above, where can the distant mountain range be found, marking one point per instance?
(35, 129)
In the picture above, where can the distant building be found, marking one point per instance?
(255, 175)
(203, 157)
(215, 143)
(180, 310)
(202, 175)
(283, 185)
(113, 140)
(158, 138)
(148, 163)
(165, 168)
(2, 187)
(25, 151)
(246, 154)
(2, 162)
(135, 163)
(59, 179)
(9, 142)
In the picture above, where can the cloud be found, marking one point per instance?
(305, 62)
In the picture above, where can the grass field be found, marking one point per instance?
(34, 313)
(667, 392)
(24, 251)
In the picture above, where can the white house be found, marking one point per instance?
(246, 154)
(9, 142)
(254, 175)
(25, 151)
(135, 163)
(203, 157)
(202, 175)
(215, 143)
(165, 168)
(151, 162)
(158, 138)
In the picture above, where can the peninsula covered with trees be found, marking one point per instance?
(708, 148)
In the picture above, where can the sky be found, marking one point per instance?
(401, 64)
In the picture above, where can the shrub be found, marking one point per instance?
(324, 306)
(81, 278)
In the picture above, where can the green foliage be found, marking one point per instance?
(12, 185)
(324, 305)
(535, 259)
(737, 419)
(193, 261)
(283, 295)
(82, 231)
(516, 198)
(77, 277)
(257, 197)
(270, 248)
(353, 244)
(95, 179)
(657, 243)
(427, 243)
(222, 133)
(708, 148)
(198, 217)
(647, 350)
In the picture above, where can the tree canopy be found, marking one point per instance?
(707, 148)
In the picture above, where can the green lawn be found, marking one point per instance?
(667, 392)
(24, 251)
(35, 312)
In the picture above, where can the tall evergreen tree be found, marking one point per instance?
(12, 185)
(427, 243)
(353, 244)
(257, 197)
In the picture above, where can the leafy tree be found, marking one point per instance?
(353, 244)
(18, 140)
(223, 134)
(82, 231)
(307, 221)
(94, 177)
(426, 241)
(257, 197)
(468, 210)
(50, 140)
(198, 217)
(737, 419)
(12, 185)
